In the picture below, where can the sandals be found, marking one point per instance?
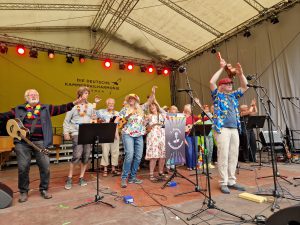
(153, 179)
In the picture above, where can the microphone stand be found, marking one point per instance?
(210, 203)
(189, 91)
(275, 192)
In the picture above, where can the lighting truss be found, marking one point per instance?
(124, 9)
(277, 8)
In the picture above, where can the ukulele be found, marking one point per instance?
(16, 129)
(124, 120)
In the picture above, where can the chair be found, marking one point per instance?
(57, 141)
(6, 146)
(279, 146)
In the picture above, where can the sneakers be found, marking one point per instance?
(45, 194)
(135, 181)
(123, 183)
(82, 182)
(224, 189)
(23, 197)
(68, 184)
(237, 187)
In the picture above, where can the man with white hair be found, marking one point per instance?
(109, 115)
(36, 117)
(226, 122)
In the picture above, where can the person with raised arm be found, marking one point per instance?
(226, 122)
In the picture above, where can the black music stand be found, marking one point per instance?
(95, 133)
(256, 122)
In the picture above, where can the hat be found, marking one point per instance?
(226, 80)
(132, 96)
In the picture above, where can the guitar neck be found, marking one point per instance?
(31, 144)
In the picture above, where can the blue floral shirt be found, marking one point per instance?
(221, 105)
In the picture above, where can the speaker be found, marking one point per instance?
(6, 196)
(264, 137)
(289, 216)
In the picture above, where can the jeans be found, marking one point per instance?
(133, 147)
(190, 151)
(23, 152)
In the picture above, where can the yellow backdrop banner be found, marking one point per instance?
(58, 81)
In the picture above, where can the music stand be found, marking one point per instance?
(95, 133)
(256, 122)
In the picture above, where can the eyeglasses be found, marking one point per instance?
(228, 84)
(33, 95)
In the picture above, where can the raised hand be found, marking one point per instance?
(239, 69)
(222, 61)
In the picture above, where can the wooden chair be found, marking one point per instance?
(6, 146)
(57, 141)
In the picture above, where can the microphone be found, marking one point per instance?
(254, 86)
(181, 90)
(251, 77)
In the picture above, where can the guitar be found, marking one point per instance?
(124, 120)
(16, 129)
(287, 152)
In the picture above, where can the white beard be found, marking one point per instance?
(33, 102)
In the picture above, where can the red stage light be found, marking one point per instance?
(81, 58)
(166, 71)
(107, 63)
(150, 69)
(20, 49)
(130, 66)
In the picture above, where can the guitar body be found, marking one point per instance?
(16, 129)
(122, 123)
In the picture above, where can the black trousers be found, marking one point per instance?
(24, 153)
(247, 146)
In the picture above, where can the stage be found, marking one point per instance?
(147, 197)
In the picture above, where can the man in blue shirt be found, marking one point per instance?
(226, 122)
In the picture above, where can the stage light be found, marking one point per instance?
(166, 71)
(81, 58)
(3, 48)
(129, 66)
(247, 33)
(213, 50)
(33, 53)
(274, 19)
(107, 63)
(69, 58)
(51, 54)
(143, 68)
(20, 49)
(121, 66)
(181, 69)
(150, 69)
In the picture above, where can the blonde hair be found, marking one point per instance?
(137, 106)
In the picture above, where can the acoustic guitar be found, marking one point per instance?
(16, 129)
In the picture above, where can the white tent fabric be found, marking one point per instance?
(48, 25)
(272, 53)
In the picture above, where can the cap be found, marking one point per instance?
(226, 80)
